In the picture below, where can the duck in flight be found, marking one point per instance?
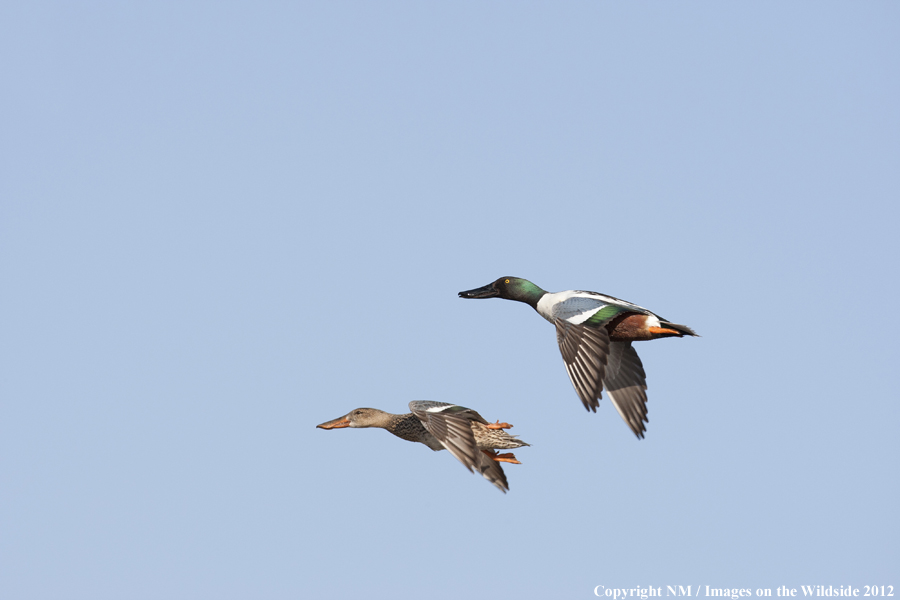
(595, 332)
(439, 425)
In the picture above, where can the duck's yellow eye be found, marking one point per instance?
(507, 281)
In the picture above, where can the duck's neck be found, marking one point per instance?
(527, 292)
(407, 427)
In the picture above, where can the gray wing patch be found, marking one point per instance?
(575, 306)
(584, 350)
(626, 383)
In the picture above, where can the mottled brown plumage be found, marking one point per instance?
(438, 425)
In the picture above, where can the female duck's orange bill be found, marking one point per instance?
(335, 423)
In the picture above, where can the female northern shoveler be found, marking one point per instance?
(439, 425)
(595, 332)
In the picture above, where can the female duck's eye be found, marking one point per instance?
(507, 281)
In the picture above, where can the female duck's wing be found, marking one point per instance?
(626, 384)
(584, 350)
(493, 472)
(451, 425)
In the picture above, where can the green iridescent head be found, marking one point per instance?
(509, 288)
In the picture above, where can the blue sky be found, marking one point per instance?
(222, 224)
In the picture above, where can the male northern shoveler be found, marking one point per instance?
(595, 332)
(440, 425)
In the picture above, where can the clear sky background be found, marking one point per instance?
(224, 223)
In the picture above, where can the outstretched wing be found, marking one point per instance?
(492, 471)
(626, 384)
(451, 425)
(584, 350)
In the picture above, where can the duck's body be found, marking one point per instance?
(595, 332)
(439, 425)
(623, 320)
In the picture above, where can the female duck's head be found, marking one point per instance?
(360, 417)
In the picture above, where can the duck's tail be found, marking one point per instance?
(682, 329)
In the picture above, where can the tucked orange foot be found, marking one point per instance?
(499, 425)
(664, 330)
(507, 457)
